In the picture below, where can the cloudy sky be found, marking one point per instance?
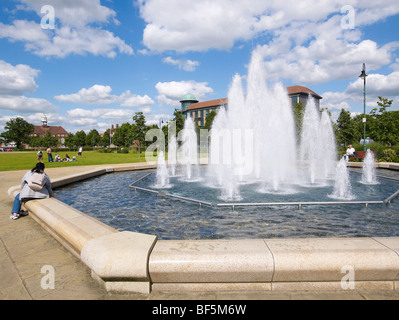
(89, 63)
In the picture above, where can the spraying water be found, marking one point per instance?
(189, 157)
(328, 145)
(369, 174)
(342, 187)
(162, 178)
(253, 141)
(261, 127)
(311, 142)
(172, 155)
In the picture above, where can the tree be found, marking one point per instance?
(93, 138)
(18, 130)
(80, 138)
(298, 111)
(105, 140)
(123, 135)
(70, 140)
(179, 120)
(386, 123)
(49, 140)
(346, 132)
(139, 128)
(209, 120)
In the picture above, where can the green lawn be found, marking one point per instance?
(27, 160)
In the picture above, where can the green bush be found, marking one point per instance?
(123, 150)
(389, 155)
(105, 150)
(378, 148)
(396, 148)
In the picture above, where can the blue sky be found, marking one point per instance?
(105, 60)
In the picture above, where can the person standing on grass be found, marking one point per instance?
(40, 155)
(27, 193)
(80, 151)
(49, 155)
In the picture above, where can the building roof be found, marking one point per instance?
(189, 97)
(54, 130)
(207, 104)
(299, 89)
(219, 102)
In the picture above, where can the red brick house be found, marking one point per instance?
(56, 131)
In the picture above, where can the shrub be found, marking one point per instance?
(123, 150)
(389, 155)
(105, 150)
(378, 148)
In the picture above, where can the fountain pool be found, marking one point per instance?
(109, 199)
(255, 157)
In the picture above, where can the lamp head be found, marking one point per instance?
(363, 74)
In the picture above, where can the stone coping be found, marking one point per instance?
(134, 262)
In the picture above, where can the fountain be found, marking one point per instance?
(257, 174)
(188, 155)
(369, 174)
(172, 155)
(311, 153)
(259, 132)
(342, 186)
(162, 178)
(253, 141)
(328, 145)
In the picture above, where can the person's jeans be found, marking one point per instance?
(17, 205)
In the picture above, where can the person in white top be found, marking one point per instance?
(80, 151)
(350, 152)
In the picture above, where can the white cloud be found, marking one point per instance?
(73, 33)
(109, 114)
(170, 93)
(386, 86)
(186, 65)
(102, 119)
(377, 85)
(206, 24)
(14, 82)
(24, 104)
(133, 100)
(100, 94)
(17, 80)
(78, 13)
(323, 52)
(97, 94)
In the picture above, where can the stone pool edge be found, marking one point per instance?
(134, 262)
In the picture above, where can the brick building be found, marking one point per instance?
(200, 110)
(56, 131)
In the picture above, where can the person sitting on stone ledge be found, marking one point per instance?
(27, 193)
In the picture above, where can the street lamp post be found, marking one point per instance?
(364, 75)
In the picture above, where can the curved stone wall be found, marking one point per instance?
(135, 262)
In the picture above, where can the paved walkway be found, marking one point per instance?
(25, 248)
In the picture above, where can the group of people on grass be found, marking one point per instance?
(57, 158)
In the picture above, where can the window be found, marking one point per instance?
(294, 100)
